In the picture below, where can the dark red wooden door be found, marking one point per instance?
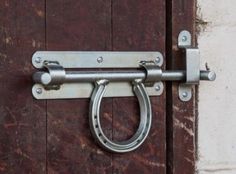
(104, 25)
(53, 136)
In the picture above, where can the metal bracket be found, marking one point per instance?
(192, 57)
(91, 59)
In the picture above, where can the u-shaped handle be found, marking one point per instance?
(145, 119)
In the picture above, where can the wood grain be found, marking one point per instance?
(181, 115)
(139, 26)
(85, 25)
(22, 119)
(54, 137)
(77, 25)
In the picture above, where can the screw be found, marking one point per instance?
(39, 90)
(185, 94)
(157, 88)
(100, 59)
(158, 60)
(184, 38)
(38, 60)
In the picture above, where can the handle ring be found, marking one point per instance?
(145, 119)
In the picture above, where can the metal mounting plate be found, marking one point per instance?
(185, 42)
(84, 90)
(94, 59)
(185, 92)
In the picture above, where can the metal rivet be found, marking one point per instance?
(39, 90)
(157, 88)
(185, 94)
(100, 59)
(38, 60)
(157, 60)
(184, 38)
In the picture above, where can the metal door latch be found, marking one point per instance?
(192, 64)
(66, 74)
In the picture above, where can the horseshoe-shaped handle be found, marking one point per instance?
(145, 119)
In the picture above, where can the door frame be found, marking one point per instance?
(181, 116)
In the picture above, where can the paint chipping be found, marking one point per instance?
(35, 44)
(6, 4)
(189, 160)
(40, 13)
(148, 162)
(183, 126)
(3, 56)
(8, 40)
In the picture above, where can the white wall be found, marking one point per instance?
(217, 100)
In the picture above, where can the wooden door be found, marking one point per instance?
(53, 136)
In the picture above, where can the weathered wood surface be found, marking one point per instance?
(139, 25)
(102, 25)
(22, 119)
(53, 136)
(181, 115)
(77, 25)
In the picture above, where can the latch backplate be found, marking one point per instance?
(94, 59)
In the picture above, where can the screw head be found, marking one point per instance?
(185, 94)
(184, 38)
(39, 91)
(38, 60)
(100, 59)
(157, 88)
(157, 60)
